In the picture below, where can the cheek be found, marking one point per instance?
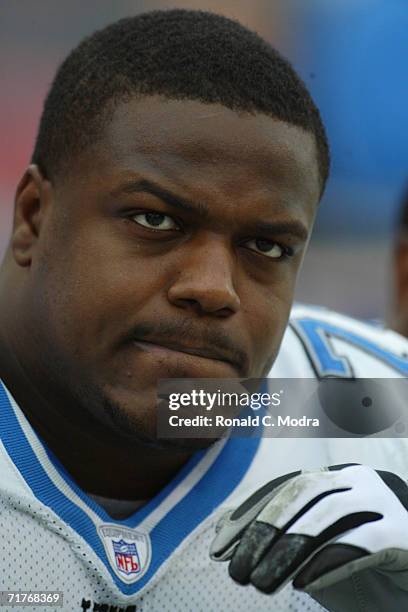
(267, 317)
(90, 291)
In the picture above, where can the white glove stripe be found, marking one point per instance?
(302, 490)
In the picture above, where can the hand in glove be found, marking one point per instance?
(341, 534)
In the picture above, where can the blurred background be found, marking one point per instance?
(353, 56)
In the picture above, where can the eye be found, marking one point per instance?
(156, 221)
(268, 248)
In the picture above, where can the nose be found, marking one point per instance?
(205, 280)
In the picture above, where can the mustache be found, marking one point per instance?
(188, 334)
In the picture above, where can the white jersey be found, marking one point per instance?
(53, 537)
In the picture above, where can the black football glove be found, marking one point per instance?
(340, 534)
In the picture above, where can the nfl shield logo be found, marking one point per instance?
(128, 551)
(127, 557)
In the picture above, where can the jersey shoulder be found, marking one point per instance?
(320, 342)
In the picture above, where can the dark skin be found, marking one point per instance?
(169, 248)
(400, 323)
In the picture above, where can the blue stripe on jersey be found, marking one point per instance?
(186, 515)
(138, 516)
(231, 463)
(315, 335)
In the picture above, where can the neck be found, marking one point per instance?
(101, 462)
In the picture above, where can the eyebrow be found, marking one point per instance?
(294, 228)
(176, 201)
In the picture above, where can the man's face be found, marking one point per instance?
(170, 249)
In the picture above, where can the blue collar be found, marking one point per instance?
(198, 489)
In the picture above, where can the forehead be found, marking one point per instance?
(190, 142)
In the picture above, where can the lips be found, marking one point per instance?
(211, 361)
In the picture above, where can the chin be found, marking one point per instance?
(136, 423)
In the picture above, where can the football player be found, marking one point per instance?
(158, 233)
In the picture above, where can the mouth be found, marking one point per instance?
(209, 358)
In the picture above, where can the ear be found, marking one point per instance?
(31, 202)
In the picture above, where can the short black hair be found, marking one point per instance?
(180, 54)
